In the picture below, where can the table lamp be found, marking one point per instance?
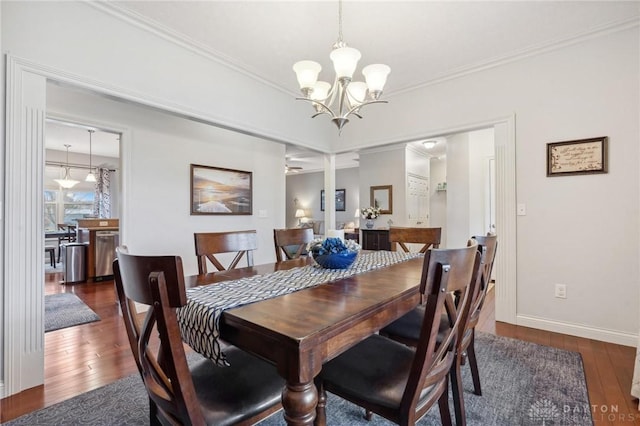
(299, 215)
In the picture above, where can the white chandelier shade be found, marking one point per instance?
(345, 60)
(344, 97)
(66, 182)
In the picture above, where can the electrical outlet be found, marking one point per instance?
(561, 291)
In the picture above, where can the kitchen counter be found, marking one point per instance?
(101, 248)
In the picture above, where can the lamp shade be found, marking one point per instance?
(345, 60)
(91, 177)
(299, 213)
(307, 73)
(320, 91)
(66, 182)
(357, 213)
(376, 76)
(357, 91)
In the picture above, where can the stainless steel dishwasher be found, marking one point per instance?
(106, 243)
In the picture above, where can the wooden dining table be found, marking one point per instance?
(300, 331)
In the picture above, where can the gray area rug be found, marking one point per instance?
(64, 310)
(522, 383)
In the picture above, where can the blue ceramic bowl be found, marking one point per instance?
(336, 260)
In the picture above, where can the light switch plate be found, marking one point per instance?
(521, 210)
(262, 213)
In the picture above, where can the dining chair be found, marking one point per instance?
(51, 251)
(428, 237)
(208, 244)
(197, 392)
(489, 245)
(69, 237)
(393, 380)
(291, 243)
(407, 329)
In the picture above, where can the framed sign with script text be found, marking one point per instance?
(584, 156)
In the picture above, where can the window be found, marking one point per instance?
(66, 206)
(50, 210)
(77, 205)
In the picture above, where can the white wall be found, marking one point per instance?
(480, 151)
(467, 191)
(156, 215)
(438, 202)
(583, 90)
(385, 167)
(2, 170)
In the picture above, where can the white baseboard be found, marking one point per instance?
(1, 389)
(604, 335)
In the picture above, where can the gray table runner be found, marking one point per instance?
(199, 318)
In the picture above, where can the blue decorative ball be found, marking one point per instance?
(336, 260)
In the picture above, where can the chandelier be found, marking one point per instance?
(345, 97)
(66, 182)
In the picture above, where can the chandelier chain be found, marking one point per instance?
(339, 21)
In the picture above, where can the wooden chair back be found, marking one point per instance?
(69, 237)
(429, 237)
(158, 281)
(208, 244)
(445, 274)
(448, 283)
(70, 233)
(488, 246)
(291, 243)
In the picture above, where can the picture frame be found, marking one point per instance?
(220, 191)
(382, 197)
(341, 197)
(577, 157)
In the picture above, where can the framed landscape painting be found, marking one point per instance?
(218, 191)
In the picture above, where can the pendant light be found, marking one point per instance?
(91, 177)
(66, 182)
(345, 97)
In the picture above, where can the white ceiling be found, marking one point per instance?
(57, 134)
(422, 41)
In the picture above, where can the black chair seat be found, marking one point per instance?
(407, 326)
(361, 374)
(229, 395)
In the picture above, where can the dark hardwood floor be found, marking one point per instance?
(86, 357)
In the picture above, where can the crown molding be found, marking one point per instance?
(539, 49)
(194, 46)
(185, 42)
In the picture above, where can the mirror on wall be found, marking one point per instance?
(382, 197)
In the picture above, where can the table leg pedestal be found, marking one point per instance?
(299, 403)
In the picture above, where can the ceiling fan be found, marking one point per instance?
(293, 169)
